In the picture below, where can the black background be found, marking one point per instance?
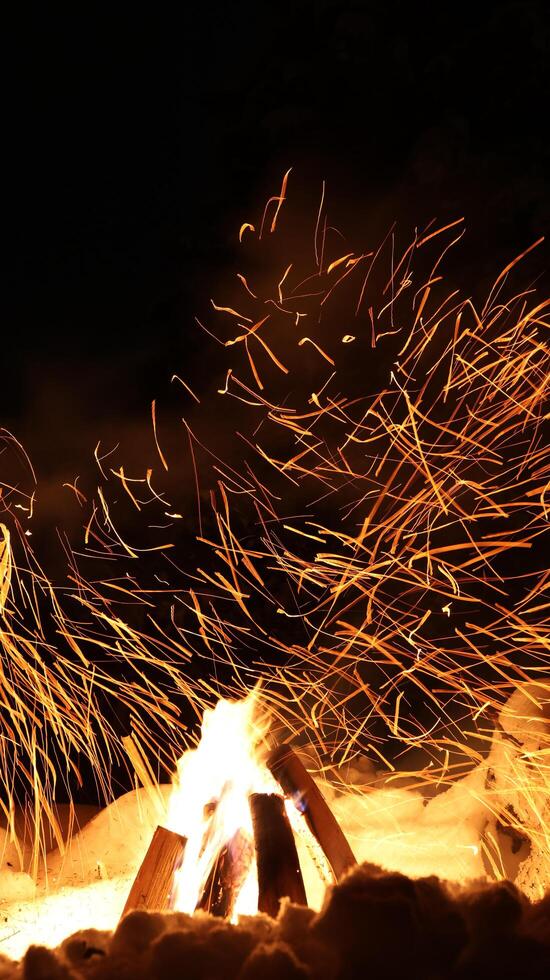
(136, 143)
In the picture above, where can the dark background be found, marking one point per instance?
(136, 144)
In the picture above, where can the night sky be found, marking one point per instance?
(136, 144)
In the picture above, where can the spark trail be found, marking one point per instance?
(369, 470)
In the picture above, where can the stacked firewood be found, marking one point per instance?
(274, 847)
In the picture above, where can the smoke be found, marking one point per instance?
(372, 924)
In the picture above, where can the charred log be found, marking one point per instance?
(279, 873)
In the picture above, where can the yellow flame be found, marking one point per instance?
(209, 803)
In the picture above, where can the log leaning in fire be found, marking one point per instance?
(298, 785)
(153, 887)
(279, 873)
(227, 876)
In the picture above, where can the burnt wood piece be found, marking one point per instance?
(153, 887)
(279, 873)
(299, 786)
(227, 876)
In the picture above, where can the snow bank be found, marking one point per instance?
(373, 924)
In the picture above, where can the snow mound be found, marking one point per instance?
(372, 924)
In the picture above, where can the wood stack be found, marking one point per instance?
(277, 862)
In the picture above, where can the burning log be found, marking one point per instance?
(227, 876)
(278, 865)
(153, 887)
(298, 785)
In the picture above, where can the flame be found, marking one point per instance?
(209, 803)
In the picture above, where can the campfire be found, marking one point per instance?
(239, 816)
(245, 829)
(247, 825)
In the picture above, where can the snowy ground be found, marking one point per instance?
(85, 886)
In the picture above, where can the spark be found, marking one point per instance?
(368, 539)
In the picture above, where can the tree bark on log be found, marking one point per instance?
(299, 786)
(279, 873)
(153, 887)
